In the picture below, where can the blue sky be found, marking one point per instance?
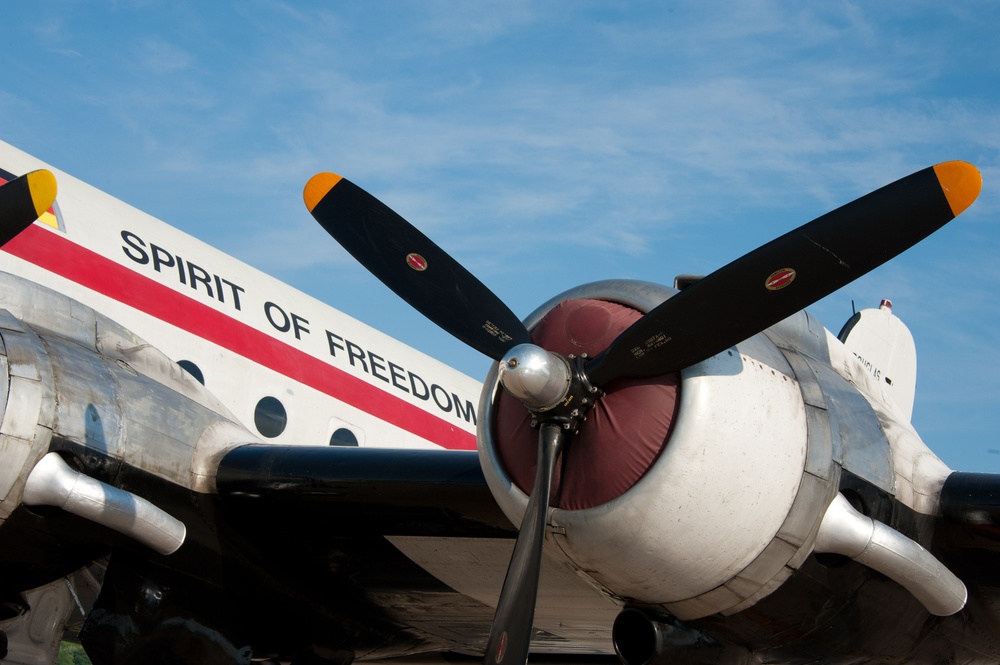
(542, 144)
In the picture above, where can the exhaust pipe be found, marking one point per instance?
(53, 483)
(642, 638)
(846, 531)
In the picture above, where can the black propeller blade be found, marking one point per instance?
(413, 266)
(23, 200)
(789, 273)
(510, 635)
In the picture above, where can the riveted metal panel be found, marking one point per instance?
(812, 393)
(864, 449)
(23, 404)
(82, 379)
(88, 399)
(25, 429)
(47, 311)
(763, 592)
(763, 569)
(814, 496)
(703, 605)
(803, 333)
(792, 544)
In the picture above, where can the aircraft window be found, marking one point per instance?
(270, 417)
(193, 370)
(343, 437)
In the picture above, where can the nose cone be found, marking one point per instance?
(536, 377)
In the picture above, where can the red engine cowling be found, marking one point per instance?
(688, 491)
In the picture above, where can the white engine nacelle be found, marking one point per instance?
(721, 513)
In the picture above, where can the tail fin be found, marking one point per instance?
(885, 347)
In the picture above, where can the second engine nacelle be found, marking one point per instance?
(82, 401)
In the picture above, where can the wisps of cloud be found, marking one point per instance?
(643, 139)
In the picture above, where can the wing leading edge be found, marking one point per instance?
(390, 491)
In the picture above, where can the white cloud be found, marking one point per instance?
(544, 144)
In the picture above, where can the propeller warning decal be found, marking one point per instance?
(416, 262)
(501, 648)
(779, 279)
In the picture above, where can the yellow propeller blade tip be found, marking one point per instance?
(42, 185)
(319, 186)
(961, 183)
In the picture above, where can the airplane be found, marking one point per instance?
(201, 464)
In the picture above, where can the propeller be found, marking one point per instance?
(409, 263)
(733, 303)
(23, 200)
(511, 631)
(789, 273)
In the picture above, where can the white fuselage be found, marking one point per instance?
(250, 335)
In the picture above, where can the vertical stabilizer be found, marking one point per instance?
(885, 348)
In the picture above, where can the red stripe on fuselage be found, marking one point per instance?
(57, 254)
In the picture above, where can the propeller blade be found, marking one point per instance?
(787, 274)
(413, 266)
(510, 636)
(23, 200)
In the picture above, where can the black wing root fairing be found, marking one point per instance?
(371, 490)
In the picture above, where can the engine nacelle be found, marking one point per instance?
(711, 517)
(79, 388)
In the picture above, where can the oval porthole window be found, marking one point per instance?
(270, 417)
(193, 370)
(344, 437)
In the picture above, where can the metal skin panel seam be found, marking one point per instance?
(866, 450)
(693, 538)
(81, 376)
(802, 333)
(819, 484)
(25, 430)
(794, 540)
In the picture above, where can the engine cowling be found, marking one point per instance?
(699, 492)
(82, 398)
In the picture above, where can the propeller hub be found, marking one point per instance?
(538, 378)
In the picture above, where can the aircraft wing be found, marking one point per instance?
(970, 535)
(412, 537)
(363, 490)
(341, 528)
